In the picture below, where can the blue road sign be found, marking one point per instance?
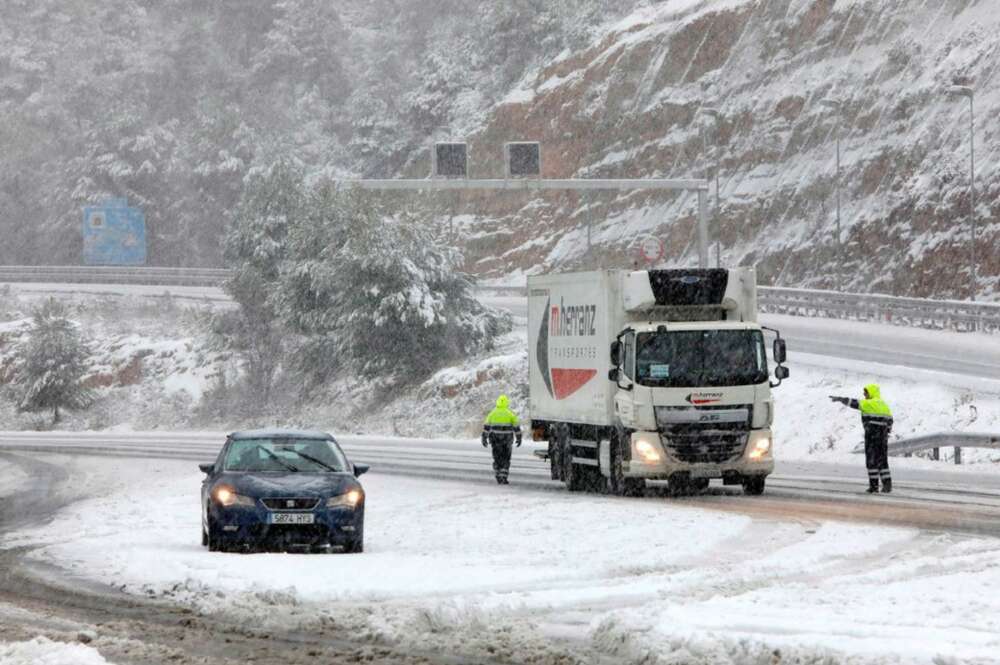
(114, 235)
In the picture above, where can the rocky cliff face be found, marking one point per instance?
(629, 105)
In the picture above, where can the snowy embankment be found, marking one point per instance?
(507, 572)
(12, 478)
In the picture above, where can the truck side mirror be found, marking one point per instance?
(779, 351)
(781, 372)
(614, 374)
(616, 353)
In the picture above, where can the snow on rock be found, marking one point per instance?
(627, 105)
(42, 651)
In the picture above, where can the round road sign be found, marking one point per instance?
(651, 249)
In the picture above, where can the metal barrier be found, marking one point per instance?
(934, 443)
(208, 277)
(914, 312)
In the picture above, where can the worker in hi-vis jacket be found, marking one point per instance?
(876, 417)
(500, 431)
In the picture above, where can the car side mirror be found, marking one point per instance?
(781, 372)
(614, 374)
(207, 468)
(360, 469)
(616, 353)
(779, 351)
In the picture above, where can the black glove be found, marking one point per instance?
(842, 400)
(518, 439)
(485, 439)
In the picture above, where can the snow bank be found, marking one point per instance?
(41, 651)
(12, 478)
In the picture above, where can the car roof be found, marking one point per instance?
(279, 433)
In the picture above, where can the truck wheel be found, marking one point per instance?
(555, 461)
(753, 485)
(618, 484)
(572, 474)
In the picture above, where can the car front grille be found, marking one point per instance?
(708, 441)
(291, 503)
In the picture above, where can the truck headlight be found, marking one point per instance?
(227, 496)
(646, 450)
(350, 499)
(761, 447)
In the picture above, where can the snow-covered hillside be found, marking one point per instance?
(628, 105)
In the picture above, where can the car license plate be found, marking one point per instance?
(292, 518)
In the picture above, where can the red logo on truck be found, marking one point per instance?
(559, 381)
(698, 399)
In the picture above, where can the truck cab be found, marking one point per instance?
(687, 396)
(695, 401)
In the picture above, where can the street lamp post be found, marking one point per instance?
(716, 115)
(838, 108)
(967, 91)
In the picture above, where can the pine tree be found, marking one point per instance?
(377, 294)
(52, 363)
(255, 250)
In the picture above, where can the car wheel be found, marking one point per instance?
(699, 484)
(204, 537)
(214, 537)
(754, 485)
(356, 546)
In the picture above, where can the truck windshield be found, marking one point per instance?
(701, 358)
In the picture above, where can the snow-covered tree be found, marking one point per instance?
(255, 249)
(52, 363)
(377, 294)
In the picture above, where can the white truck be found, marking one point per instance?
(658, 374)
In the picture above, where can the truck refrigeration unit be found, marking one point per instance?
(651, 375)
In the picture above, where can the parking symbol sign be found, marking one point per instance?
(114, 234)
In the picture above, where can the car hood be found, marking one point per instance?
(264, 485)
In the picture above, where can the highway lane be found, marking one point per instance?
(947, 500)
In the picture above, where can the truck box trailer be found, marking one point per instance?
(651, 375)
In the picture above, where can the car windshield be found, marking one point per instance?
(282, 455)
(701, 358)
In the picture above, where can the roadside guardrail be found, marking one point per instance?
(913, 312)
(934, 443)
(159, 276)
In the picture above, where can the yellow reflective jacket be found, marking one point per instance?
(501, 418)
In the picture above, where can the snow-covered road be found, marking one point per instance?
(927, 495)
(524, 574)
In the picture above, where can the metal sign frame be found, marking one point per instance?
(546, 184)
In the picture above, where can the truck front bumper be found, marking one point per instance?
(652, 459)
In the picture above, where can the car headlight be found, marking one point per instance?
(760, 447)
(645, 449)
(227, 496)
(349, 499)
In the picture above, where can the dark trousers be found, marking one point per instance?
(877, 454)
(501, 445)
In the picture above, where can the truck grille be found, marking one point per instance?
(291, 503)
(708, 442)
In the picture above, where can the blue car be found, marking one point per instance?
(282, 490)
